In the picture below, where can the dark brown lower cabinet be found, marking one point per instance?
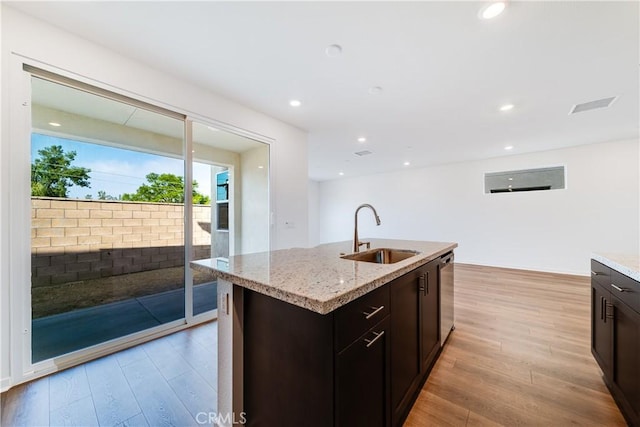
(626, 360)
(429, 316)
(362, 380)
(415, 333)
(601, 326)
(360, 365)
(615, 336)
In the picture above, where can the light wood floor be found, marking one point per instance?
(519, 356)
(165, 382)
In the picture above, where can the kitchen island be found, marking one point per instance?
(309, 338)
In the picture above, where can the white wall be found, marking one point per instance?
(553, 230)
(51, 47)
(5, 322)
(314, 210)
(254, 234)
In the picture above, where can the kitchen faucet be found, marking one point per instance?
(357, 243)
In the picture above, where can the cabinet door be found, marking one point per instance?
(626, 357)
(405, 342)
(362, 380)
(601, 327)
(429, 315)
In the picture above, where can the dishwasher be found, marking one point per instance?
(446, 297)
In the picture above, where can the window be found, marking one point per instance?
(222, 200)
(549, 178)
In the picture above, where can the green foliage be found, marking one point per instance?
(102, 195)
(52, 173)
(165, 188)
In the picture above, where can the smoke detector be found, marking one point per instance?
(592, 105)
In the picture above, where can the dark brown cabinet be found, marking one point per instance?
(615, 336)
(429, 316)
(362, 380)
(414, 335)
(360, 365)
(601, 326)
(626, 359)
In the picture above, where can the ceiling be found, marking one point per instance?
(444, 72)
(80, 104)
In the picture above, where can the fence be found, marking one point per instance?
(75, 240)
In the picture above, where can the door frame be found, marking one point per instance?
(17, 162)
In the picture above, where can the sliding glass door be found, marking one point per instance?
(123, 194)
(232, 173)
(107, 197)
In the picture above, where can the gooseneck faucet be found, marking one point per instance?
(357, 243)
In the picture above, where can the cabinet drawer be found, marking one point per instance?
(357, 317)
(600, 273)
(625, 289)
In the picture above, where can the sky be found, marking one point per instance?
(117, 171)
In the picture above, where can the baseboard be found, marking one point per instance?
(527, 269)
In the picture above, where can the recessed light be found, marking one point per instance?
(510, 179)
(54, 124)
(340, 173)
(333, 50)
(295, 103)
(506, 107)
(492, 10)
(508, 147)
(406, 163)
(260, 167)
(211, 128)
(362, 139)
(375, 90)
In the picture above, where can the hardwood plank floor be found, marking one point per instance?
(520, 356)
(163, 382)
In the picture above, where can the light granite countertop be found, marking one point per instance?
(627, 264)
(317, 278)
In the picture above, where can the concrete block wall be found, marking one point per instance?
(75, 240)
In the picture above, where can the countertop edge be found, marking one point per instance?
(617, 265)
(324, 306)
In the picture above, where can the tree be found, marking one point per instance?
(165, 188)
(102, 195)
(52, 173)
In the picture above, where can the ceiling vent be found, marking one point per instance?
(363, 153)
(592, 105)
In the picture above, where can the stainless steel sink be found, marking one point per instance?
(381, 255)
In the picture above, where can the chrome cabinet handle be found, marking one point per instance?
(608, 315)
(370, 342)
(424, 283)
(594, 273)
(373, 313)
(618, 288)
(601, 308)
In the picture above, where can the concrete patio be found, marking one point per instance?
(66, 332)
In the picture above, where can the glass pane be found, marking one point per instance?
(107, 219)
(233, 172)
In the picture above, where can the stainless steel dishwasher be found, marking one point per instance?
(446, 297)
